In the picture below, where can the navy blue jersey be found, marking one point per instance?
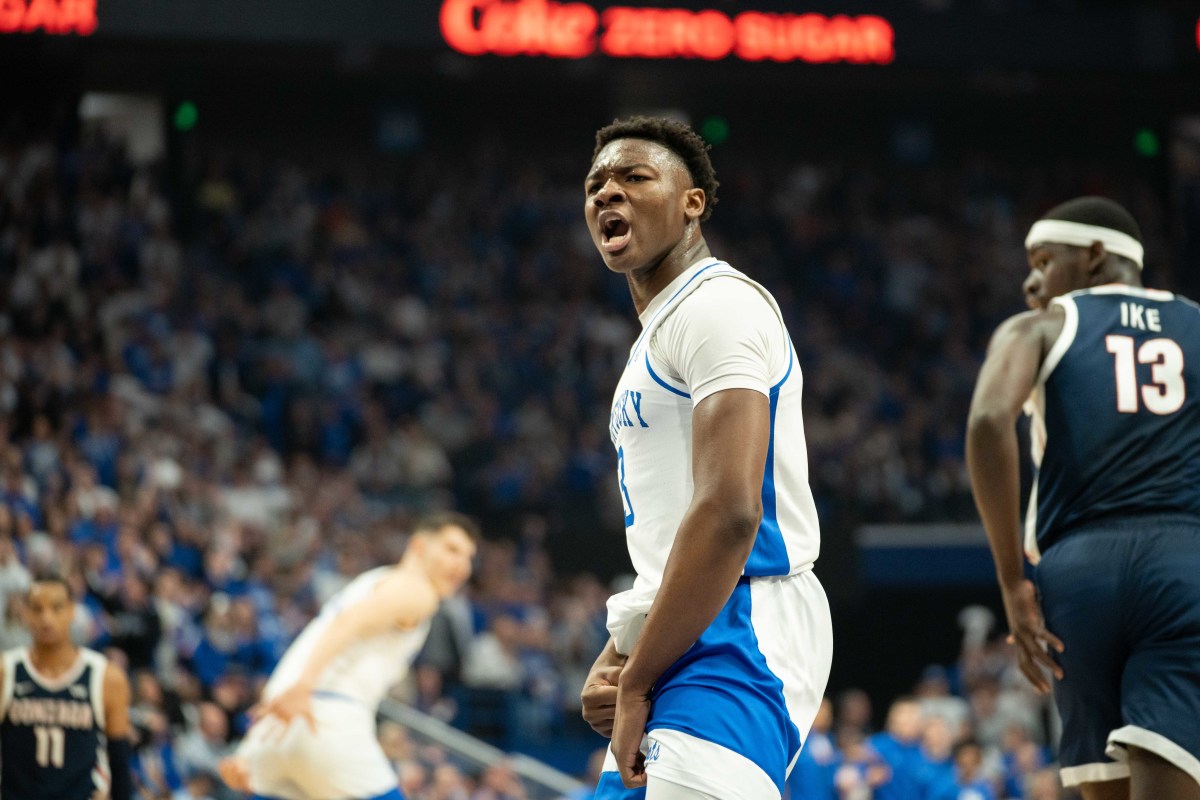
(52, 744)
(1116, 412)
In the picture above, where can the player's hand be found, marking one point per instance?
(599, 699)
(234, 772)
(629, 728)
(1027, 630)
(293, 702)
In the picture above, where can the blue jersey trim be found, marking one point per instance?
(769, 555)
(667, 305)
(663, 383)
(322, 694)
(390, 794)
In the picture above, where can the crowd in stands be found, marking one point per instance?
(974, 730)
(209, 432)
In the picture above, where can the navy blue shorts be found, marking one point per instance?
(1124, 597)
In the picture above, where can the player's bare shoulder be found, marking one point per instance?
(1042, 325)
(116, 682)
(117, 697)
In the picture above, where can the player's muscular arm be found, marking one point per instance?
(400, 600)
(118, 731)
(1008, 375)
(730, 435)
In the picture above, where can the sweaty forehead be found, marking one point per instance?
(624, 153)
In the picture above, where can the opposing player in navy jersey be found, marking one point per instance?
(1109, 372)
(64, 711)
(720, 652)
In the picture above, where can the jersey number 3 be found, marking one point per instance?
(1167, 391)
(624, 490)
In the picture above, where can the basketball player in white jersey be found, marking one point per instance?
(314, 738)
(720, 652)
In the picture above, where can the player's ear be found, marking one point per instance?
(694, 203)
(418, 543)
(1096, 255)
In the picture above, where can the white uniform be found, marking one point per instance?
(342, 760)
(730, 716)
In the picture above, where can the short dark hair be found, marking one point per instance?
(966, 744)
(1099, 211)
(52, 577)
(677, 137)
(433, 523)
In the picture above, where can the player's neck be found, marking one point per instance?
(54, 660)
(646, 283)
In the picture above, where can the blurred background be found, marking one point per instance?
(279, 277)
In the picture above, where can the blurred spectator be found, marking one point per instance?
(205, 742)
(813, 776)
(899, 745)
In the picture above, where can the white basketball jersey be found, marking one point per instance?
(651, 428)
(366, 670)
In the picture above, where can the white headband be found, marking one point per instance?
(1079, 234)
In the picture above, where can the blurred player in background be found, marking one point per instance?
(1109, 371)
(314, 738)
(721, 650)
(65, 732)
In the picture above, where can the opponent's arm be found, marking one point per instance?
(1008, 375)
(118, 732)
(730, 435)
(396, 602)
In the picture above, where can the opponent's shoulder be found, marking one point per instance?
(116, 681)
(1042, 324)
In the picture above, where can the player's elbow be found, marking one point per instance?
(737, 519)
(987, 421)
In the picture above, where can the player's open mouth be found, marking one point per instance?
(615, 234)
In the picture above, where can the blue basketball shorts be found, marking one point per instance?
(729, 717)
(1124, 597)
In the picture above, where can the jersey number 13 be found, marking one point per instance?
(1166, 391)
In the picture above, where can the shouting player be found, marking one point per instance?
(720, 652)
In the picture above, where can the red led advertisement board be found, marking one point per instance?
(48, 16)
(577, 30)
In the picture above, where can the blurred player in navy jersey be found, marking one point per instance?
(1109, 372)
(720, 652)
(65, 729)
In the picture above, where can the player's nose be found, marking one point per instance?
(1032, 288)
(610, 192)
